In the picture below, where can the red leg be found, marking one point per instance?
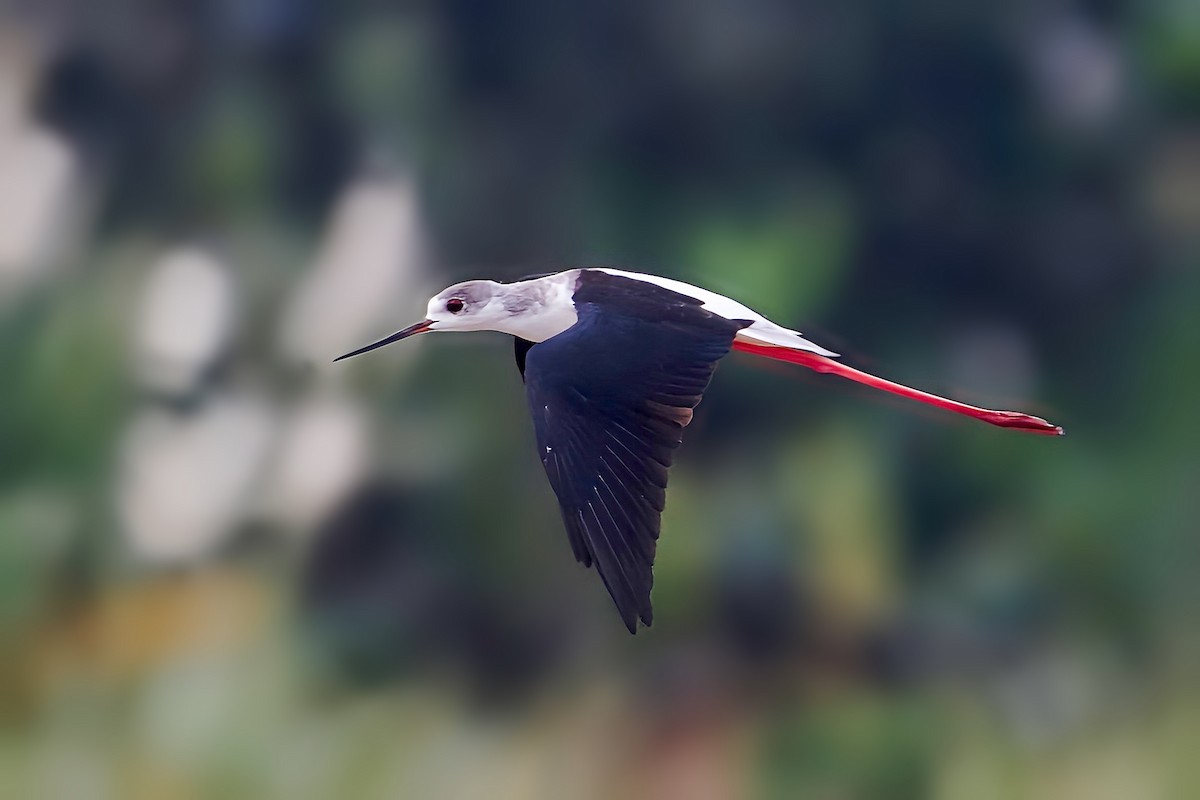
(1005, 419)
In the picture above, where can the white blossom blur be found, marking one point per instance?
(321, 456)
(365, 273)
(186, 480)
(39, 181)
(186, 320)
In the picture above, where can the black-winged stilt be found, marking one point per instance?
(614, 362)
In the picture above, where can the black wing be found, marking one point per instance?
(610, 397)
(520, 350)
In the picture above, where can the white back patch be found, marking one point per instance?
(761, 329)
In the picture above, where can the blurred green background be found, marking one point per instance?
(230, 568)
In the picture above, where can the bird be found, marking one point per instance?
(614, 364)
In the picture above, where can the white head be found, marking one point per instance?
(517, 308)
(468, 306)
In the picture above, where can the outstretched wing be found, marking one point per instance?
(610, 397)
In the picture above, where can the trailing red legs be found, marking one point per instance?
(819, 363)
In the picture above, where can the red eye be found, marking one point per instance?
(454, 305)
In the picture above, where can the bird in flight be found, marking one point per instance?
(614, 363)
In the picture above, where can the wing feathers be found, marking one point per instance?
(610, 398)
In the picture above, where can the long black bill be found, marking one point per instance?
(411, 330)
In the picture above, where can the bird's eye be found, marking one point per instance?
(454, 305)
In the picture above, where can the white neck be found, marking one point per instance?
(540, 308)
